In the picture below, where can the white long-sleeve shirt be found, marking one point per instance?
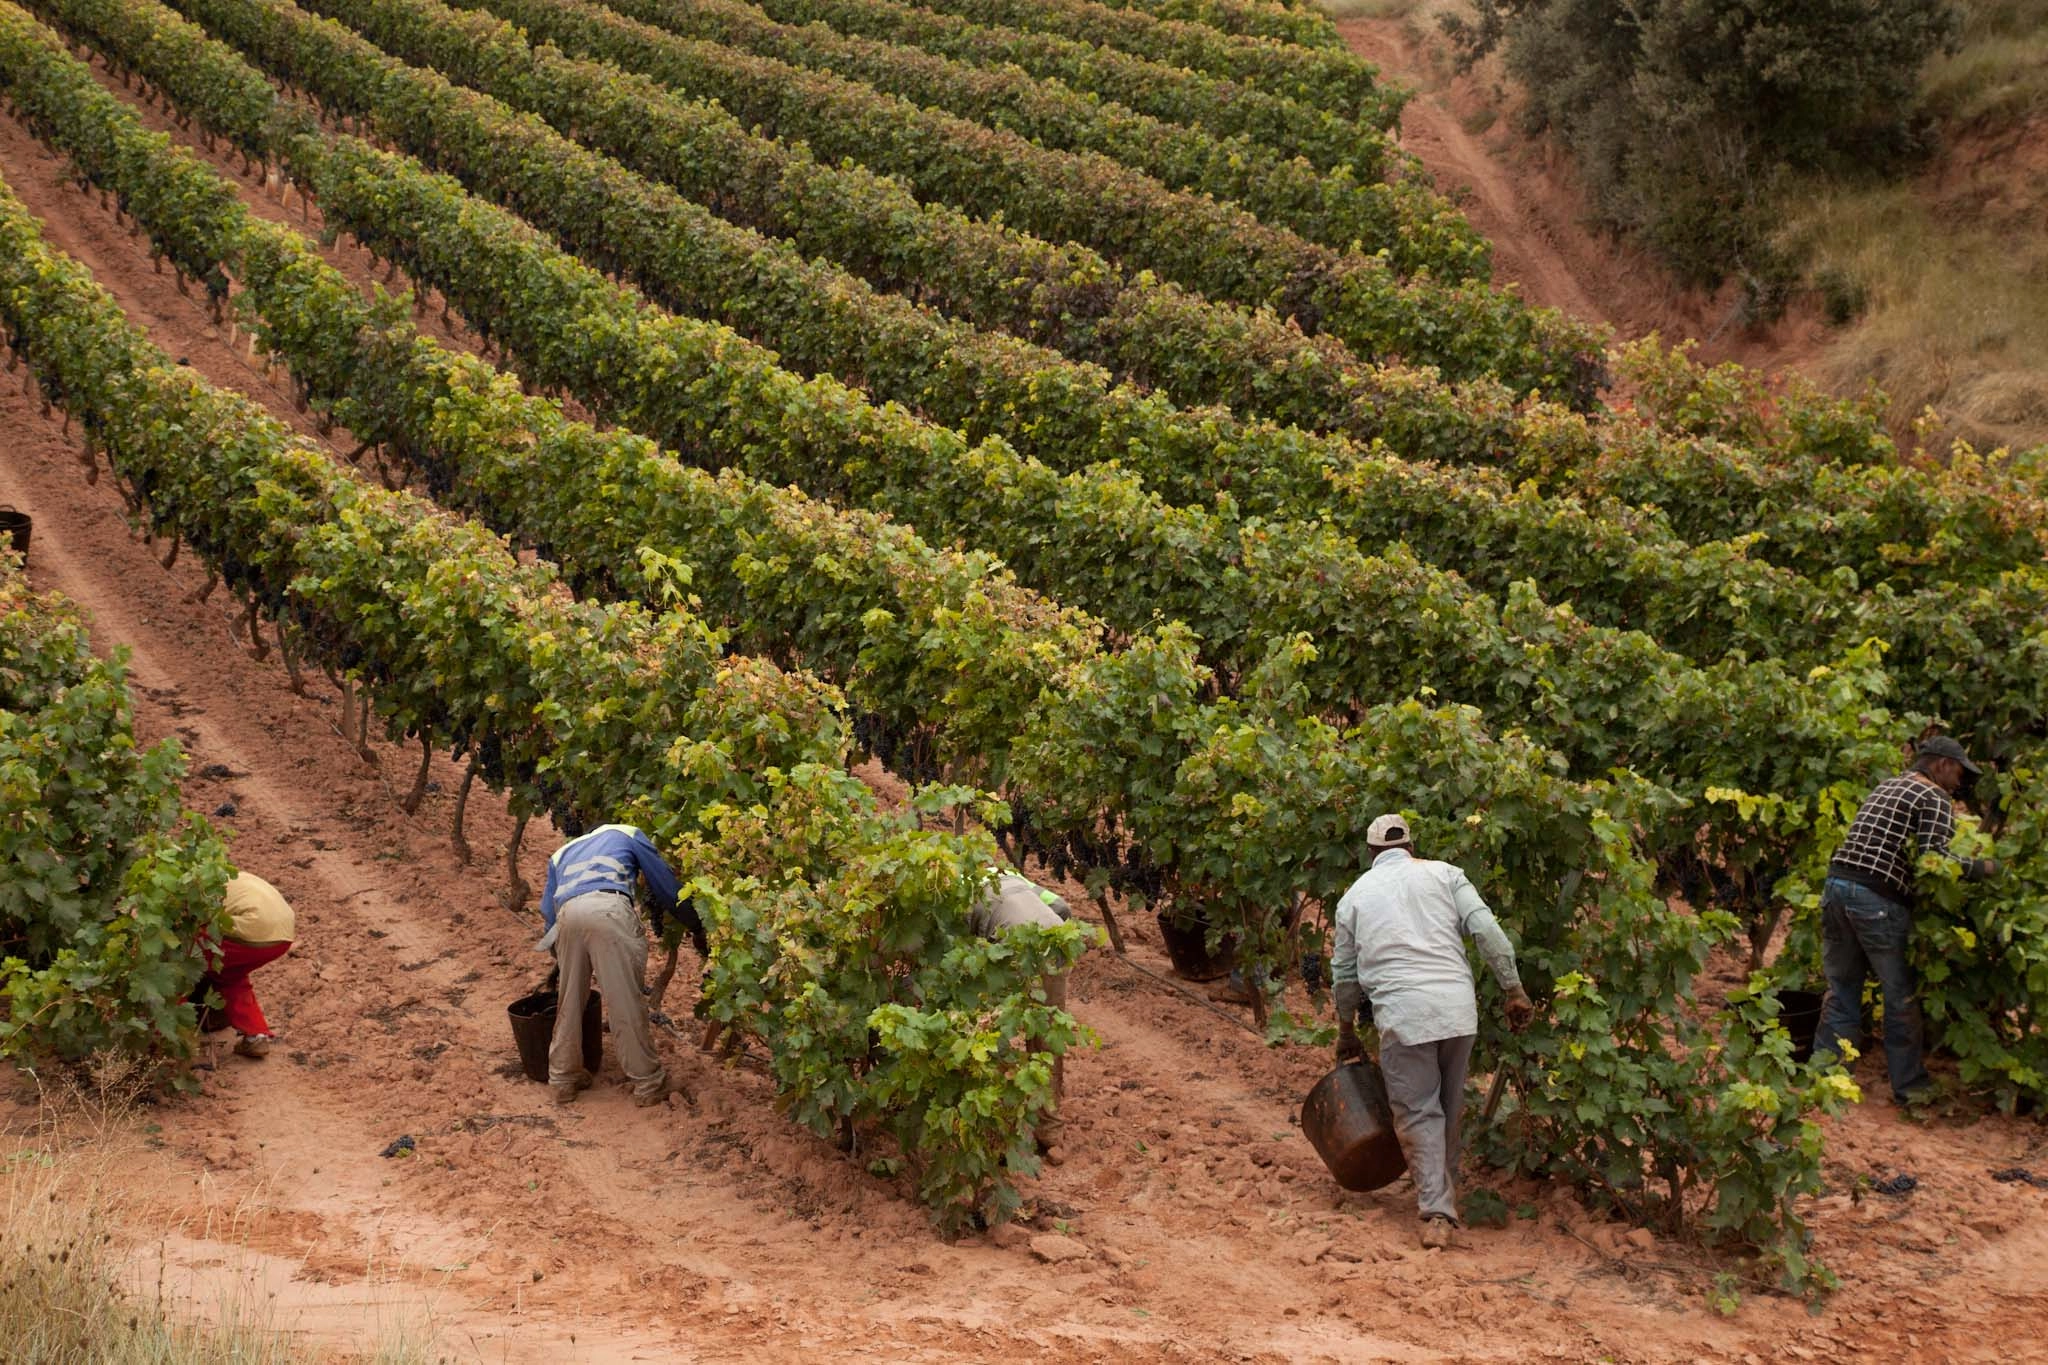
(1401, 932)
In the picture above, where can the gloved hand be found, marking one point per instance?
(1349, 1046)
(1348, 998)
(1520, 1010)
(1982, 869)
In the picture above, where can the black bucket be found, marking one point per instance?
(15, 527)
(1349, 1122)
(533, 1028)
(1187, 946)
(1799, 1012)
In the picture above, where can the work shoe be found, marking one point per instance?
(1437, 1232)
(254, 1045)
(669, 1087)
(567, 1092)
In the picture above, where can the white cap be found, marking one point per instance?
(1386, 832)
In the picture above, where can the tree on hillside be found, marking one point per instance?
(1685, 114)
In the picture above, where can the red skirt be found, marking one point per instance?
(228, 967)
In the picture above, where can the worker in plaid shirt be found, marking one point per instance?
(1867, 906)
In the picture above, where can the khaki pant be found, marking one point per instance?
(1426, 1087)
(600, 934)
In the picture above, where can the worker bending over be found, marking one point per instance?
(1866, 906)
(594, 930)
(1400, 941)
(1014, 901)
(261, 927)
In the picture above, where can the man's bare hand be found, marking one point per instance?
(1520, 1011)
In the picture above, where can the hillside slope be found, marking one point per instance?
(1943, 279)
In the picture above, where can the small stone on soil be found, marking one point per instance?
(1054, 1249)
(1009, 1236)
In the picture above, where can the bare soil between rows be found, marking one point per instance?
(602, 1232)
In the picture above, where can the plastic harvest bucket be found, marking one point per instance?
(533, 1028)
(1350, 1124)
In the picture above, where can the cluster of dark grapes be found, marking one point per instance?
(906, 751)
(1705, 883)
(1018, 839)
(490, 760)
(1130, 868)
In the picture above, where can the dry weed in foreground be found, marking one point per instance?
(66, 1276)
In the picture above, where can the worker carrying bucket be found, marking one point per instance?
(1400, 943)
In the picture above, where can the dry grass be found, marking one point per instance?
(1421, 24)
(2001, 73)
(1368, 9)
(1419, 16)
(68, 1292)
(1957, 312)
(1954, 265)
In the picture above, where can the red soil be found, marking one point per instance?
(603, 1232)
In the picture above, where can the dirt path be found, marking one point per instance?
(602, 1232)
(1523, 197)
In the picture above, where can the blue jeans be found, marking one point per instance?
(1865, 932)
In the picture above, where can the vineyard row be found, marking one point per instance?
(1408, 220)
(1331, 79)
(1174, 94)
(111, 884)
(1305, 24)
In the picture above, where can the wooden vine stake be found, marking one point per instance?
(455, 839)
(347, 690)
(667, 974)
(258, 650)
(205, 590)
(1116, 935)
(291, 666)
(363, 749)
(411, 803)
(517, 892)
